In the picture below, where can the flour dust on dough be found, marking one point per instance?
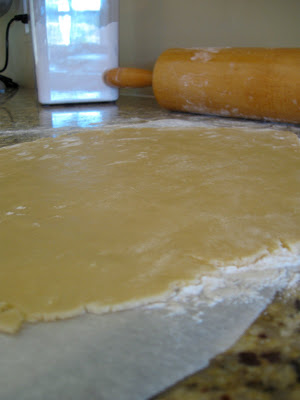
(104, 221)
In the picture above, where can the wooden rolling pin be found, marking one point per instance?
(255, 83)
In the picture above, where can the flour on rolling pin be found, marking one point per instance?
(204, 55)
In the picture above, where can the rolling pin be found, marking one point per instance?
(254, 83)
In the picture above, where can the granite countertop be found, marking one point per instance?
(23, 119)
(265, 362)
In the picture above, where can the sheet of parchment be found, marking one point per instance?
(130, 355)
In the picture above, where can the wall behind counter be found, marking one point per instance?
(148, 27)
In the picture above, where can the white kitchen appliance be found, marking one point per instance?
(74, 43)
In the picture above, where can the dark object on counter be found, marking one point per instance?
(8, 82)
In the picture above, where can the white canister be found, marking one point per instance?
(74, 43)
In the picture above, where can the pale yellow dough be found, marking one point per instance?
(105, 220)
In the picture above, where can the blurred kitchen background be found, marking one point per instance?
(148, 27)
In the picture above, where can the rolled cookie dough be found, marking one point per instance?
(104, 221)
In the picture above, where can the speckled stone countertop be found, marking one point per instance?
(23, 119)
(265, 363)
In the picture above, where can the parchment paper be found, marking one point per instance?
(129, 355)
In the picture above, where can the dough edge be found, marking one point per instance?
(263, 268)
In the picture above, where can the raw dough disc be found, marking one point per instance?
(107, 220)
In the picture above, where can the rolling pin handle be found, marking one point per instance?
(128, 77)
